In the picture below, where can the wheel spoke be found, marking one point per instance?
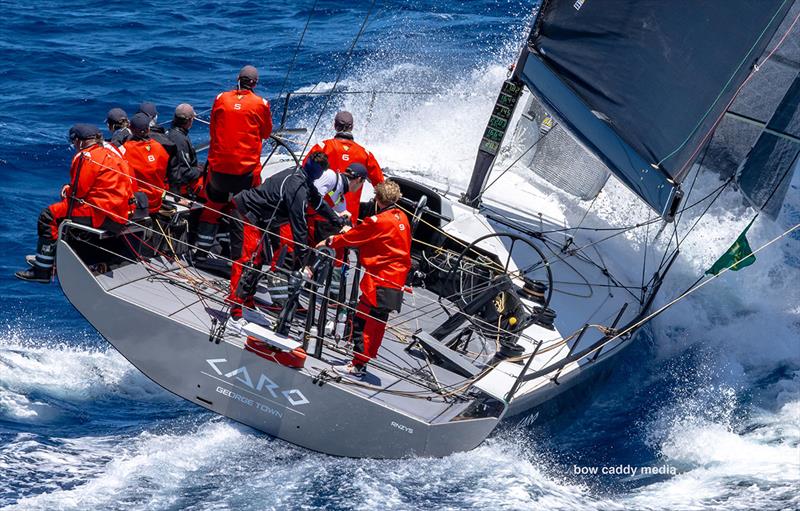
(510, 251)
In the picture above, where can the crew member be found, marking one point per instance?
(384, 243)
(150, 110)
(148, 160)
(157, 132)
(342, 151)
(183, 171)
(332, 187)
(281, 199)
(117, 122)
(240, 121)
(100, 194)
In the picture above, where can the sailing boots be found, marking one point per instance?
(41, 269)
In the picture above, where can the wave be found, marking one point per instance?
(37, 379)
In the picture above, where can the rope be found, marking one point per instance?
(168, 278)
(263, 231)
(264, 272)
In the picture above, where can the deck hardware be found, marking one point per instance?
(571, 349)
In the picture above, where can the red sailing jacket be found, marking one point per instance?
(384, 244)
(341, 152)
(148, 160)
(104, 182)
(240, 120)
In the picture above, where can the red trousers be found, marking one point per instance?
(249, 237)
(369, 326)
(220, 189)
(285, 237)
(54, 214)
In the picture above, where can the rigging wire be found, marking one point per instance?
(339, 76)
(694, 288)
(633, 326)
(518, 159)
(297, 51)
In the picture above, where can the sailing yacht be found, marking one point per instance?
(509, 309)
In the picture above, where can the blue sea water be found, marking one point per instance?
(711, 391)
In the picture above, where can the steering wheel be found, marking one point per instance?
(417, 216)
(477, 268)
(279, 142)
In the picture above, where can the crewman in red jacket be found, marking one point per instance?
(240, 121)
(148, 160)
(342, 151)
(384, 244)
(100, 194)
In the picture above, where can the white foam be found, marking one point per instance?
(63, 372)
(148, 468)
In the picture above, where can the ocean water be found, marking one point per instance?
(710, 392)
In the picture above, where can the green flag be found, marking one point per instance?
(738, 256)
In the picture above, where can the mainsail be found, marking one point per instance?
(641, 83)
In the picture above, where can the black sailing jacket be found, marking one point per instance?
(283, 198)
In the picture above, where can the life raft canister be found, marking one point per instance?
(295, 359)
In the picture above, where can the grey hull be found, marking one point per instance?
(280, 401)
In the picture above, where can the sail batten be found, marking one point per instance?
(641, 83)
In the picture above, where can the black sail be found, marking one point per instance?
(765, 175)
(641, 83)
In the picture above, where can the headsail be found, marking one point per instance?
(765, 175)
(642, 82)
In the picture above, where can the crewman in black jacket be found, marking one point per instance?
(183, 171)
(280, 199)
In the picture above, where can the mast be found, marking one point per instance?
(494, 134)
